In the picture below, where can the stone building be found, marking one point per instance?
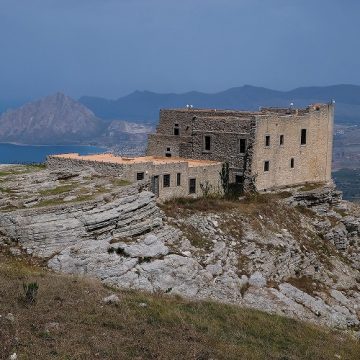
(167, 177)
(265, 149)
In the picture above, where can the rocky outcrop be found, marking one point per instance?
(322, 195)
(44, 232)
(271, 256)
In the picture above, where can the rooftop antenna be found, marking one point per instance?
(191, 106)
(187, 106)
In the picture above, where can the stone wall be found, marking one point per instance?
(225, 134)
(61, 163)
(203, 172)
(226, 128)
(311, 162)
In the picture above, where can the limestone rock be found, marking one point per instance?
(150, 247)
(111, 299)
(257, 280)
(10, 317)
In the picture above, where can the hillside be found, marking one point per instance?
(144, 106)
(71, 321)
(294, 253)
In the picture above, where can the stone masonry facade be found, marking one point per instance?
(266, 149)
(166, 177)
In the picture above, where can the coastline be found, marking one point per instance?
(45, 145)
(14, 153)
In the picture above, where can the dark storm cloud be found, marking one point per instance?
(112, 47)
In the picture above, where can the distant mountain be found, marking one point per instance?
(144, 106)
(58, 119)
(53, 119)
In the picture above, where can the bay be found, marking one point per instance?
(27, 154)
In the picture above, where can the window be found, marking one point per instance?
(178, 179)
(207, 142)
(166, 180)
(167, 149)
(176, 130)
(281, 139)
(239, 179)
(292, 163)
(303, 136)
(140, 176)
(192, 186)
(266, 165)
(168, 154)
(267, 140)
(242, 146)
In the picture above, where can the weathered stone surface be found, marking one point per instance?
(230, 257)
(150, 247)
(257, 279)
(319, 196)
(43, 232)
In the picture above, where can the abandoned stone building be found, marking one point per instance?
(167, 177)
(265, 149)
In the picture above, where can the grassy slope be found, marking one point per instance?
(167, 328)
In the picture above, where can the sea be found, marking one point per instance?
(28, 154)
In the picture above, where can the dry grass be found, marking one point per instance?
(264, 213)
(58, 190)
(218, 204)
(167, 328)
(211, 204)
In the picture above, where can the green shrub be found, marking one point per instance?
(30, 292)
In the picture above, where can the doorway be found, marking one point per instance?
(155, 185)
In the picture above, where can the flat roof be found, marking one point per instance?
(261, 111)
(115, 159)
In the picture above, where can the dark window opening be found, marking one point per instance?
(242, 146)
(140, 176)
(178, 179)
(192, 186)
(267, 140)
(239, 179)
(266, 165)
(176, 130)
(281, 139)
(303, 136)
(207, 143)
(166, 180)
(168, 153)
(292, 163)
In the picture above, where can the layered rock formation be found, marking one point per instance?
(268, 253)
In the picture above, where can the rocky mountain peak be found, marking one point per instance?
(51, 119)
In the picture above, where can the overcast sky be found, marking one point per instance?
(110, 48)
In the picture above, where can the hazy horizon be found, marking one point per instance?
(110, 48)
